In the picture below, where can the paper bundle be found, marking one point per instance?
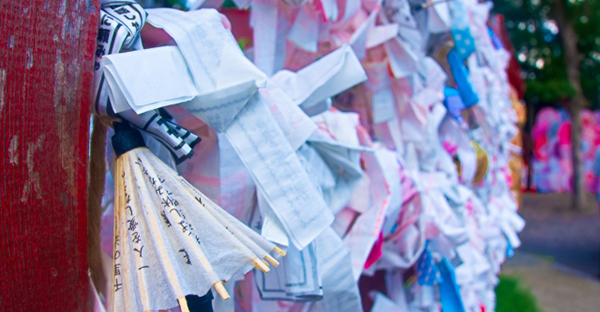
(372, 138)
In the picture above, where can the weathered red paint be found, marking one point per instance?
(240, 24)
(46, 68)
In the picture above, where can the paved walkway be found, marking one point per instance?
(560, 254)
(570, 238)
(556, 288)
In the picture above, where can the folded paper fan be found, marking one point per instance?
(170, 239)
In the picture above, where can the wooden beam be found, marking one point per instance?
(46, 68)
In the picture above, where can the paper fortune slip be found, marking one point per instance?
(129, 87)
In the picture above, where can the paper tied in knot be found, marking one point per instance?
(207, 74)
(461, 77)
(159, 124)
(214, 81)
(119, 28)
(464, 43)
(427, 271)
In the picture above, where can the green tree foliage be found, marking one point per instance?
(534, 32)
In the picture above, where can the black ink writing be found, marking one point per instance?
(132, 224)
(185, 226)
(186, 257)
(121, 10)
(118, 285)
(164, 215)
(139, 251)
(103, 35)
(100, 51)
(168, 202)
(135, 238)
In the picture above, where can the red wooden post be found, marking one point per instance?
(46, 68)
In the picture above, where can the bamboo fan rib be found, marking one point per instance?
(171, 240)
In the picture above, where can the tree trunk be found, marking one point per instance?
(579, 194)
(572, 63)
